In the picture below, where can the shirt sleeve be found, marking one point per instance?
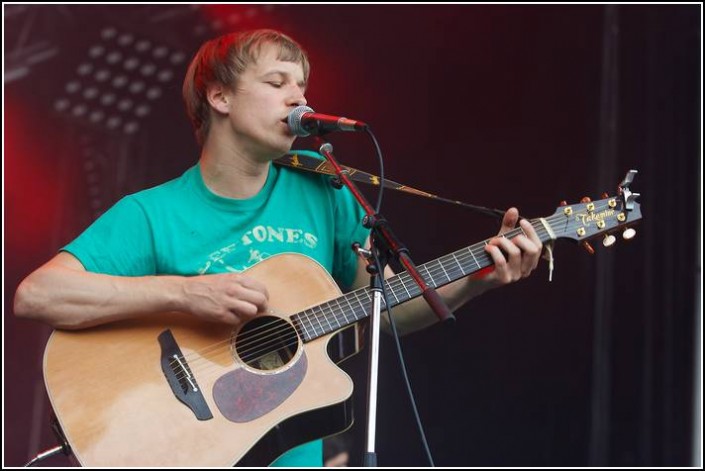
(349, 229)
(120, 242)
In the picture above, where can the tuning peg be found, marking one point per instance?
(628, 234)
(563, 203)
(604, 196)
(586, 245)
(609, 240)
(589, 206)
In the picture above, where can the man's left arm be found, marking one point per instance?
(513, 259)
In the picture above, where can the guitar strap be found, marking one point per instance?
(313, 162)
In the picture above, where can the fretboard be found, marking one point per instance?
(356, 305)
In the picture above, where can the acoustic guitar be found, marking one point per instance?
(171, 390)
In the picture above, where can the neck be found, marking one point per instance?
(232, 174)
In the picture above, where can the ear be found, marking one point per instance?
(218, 98)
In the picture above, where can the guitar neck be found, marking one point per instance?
(356, 305)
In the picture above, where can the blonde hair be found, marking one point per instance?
(222, 60)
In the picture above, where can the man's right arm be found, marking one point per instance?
(64, 295)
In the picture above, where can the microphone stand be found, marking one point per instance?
(384, 244)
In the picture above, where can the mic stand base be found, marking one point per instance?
(369, 460)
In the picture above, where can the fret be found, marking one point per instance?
(352, 309)
(392, 290)
(303, 324)
(459, 265)
(298, 328)
(429, 278)
(362, 305)
(342, 309)
(328, 320)
(444, 270)
(401, 278)
(320, 308)
(473, 257)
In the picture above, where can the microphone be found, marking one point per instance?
(303, 121)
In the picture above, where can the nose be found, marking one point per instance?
(297, 97)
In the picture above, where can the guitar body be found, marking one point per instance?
(116, 407)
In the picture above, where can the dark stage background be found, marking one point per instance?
(494, 105)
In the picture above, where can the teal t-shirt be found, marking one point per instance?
(182, 228)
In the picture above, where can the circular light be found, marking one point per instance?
(73, 86)
(136, 87)
(113, 122)
(114, 57)
(96, 116)
(107, 99)
(102, 75)
(143, 45)
(148, 69)
(79, 110)
(154, 93)
(125, 39)
(85, 68)
(90, 93)
(142, 111)
(165, 75)
(120, 81)
(131, 63)
(131, 127)
(124, 104)
(96, 51)
(160, 52)
(62, 104)
(108, 33)
(177, 58)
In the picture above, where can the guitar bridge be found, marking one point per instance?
(180, 378)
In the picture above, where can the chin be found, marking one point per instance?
(285, 146)
(275, 151)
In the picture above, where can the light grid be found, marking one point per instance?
(117, 84)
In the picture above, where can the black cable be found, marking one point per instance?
(402, 364)
(395, 332)
(46, 454)
(381, 168)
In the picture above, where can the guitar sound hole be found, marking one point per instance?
(266, 343)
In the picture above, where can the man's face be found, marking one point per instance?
(265, 94)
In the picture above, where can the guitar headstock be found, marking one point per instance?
(588, 219)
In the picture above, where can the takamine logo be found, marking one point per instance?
(587, 218)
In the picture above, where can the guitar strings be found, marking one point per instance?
(255, 337)
(266, 346)
(274, 335)
(397, 280)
